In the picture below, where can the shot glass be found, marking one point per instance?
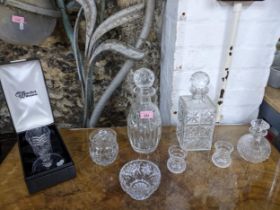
(176, 162)
(222, 156)
(103, 147)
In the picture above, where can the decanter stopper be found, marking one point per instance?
(144, 78)
(259, 126)
(200, 81)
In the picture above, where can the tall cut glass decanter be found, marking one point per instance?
(253, 146)
(144, 121)
(196, 116)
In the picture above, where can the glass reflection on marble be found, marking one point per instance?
(103, 148)
(140, 178)
(254, 147)
(222, 156)
(176, 162)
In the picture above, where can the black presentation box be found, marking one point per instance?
(27, 98)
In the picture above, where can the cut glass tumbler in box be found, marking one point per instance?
(196, 116)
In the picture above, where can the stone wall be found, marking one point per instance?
(62, 79)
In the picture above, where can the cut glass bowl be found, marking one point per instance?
(140, 178)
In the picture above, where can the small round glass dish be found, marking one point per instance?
(140, 178)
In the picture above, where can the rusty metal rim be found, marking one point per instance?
(32, 8)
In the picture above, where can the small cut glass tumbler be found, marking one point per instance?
(103, 146)
(176, 162)
(221, 158)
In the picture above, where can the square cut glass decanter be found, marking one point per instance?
(196, 116)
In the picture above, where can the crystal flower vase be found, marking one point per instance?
(144, 121)
(196, 116)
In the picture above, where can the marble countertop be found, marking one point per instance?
(201, 186)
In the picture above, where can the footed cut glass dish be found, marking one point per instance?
(196, 116)
(140, 178)
(254, 147)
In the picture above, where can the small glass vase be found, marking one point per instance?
(144, 120)
(254, 147)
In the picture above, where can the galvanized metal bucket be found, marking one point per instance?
(27, 22)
